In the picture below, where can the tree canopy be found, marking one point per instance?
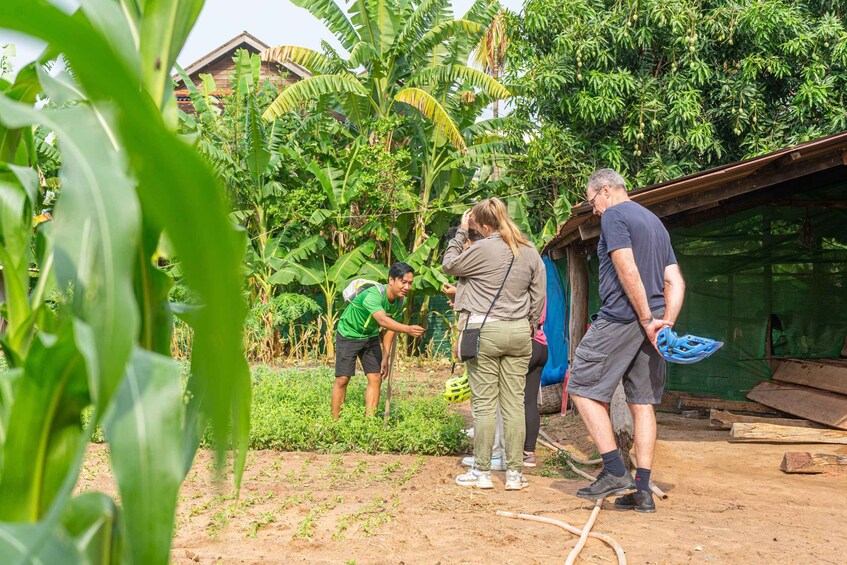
(664, 88)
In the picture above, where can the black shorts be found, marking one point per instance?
(368, 351)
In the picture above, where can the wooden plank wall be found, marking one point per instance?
(223, 68)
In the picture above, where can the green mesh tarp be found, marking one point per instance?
(785, 262)
(438, 339)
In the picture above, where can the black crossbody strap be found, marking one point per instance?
(496, 296)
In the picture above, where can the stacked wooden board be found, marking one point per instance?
(814, 390)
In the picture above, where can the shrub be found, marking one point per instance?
(279, 326)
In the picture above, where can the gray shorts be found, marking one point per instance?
(611, 352)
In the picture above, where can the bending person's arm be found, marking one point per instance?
(462, 262)
(390, 324)
(674, 292)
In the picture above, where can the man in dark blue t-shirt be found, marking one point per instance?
(641, 288)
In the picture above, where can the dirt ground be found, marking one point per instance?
(727, 503)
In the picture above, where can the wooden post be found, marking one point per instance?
(578, 282)
(388, 378)
(578, 302)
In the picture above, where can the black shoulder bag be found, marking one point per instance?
(469, 340)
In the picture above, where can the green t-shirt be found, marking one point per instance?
(357, 321)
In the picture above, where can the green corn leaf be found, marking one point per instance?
(165, 25)
(152, 286)
(144, 431)
(119, 24)
(179, 191)
(14, 253)
(97, 259)
(24, 544)
(91, 521)
(45, 427)
(25, 88)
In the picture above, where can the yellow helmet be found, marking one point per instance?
(457, 389)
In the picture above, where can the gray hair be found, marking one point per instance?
(606, 177)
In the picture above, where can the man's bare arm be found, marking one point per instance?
(674, 292)
(387, 322)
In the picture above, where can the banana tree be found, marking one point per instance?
(102, 346)
(406, 58)
(312, 265)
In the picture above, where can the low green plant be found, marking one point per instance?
(557, 465)
(256, 525)
(291, 412)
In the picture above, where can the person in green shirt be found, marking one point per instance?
(358, 335)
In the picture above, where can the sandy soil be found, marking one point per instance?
(728, 503)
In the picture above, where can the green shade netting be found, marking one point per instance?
(785, 262)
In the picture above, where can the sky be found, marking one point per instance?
(275, 22)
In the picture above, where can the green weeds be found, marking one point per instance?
(557, 466)
(291, 412)
(370, 517)
(306, 529)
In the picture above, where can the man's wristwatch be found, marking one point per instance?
(647, 321)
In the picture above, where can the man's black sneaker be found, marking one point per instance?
(640, 501)
(606, 485)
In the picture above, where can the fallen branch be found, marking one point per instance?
(619, 552)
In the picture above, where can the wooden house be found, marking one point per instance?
(219, 64)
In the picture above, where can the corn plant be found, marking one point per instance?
(87, 318)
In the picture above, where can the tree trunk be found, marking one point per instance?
(622, 424)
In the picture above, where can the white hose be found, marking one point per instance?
(619, 552)
(585, 531)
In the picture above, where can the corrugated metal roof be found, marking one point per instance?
(654, 195)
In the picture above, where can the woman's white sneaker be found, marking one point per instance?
(515, 480)
(475, 478)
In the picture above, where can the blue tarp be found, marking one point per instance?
(554, 327)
